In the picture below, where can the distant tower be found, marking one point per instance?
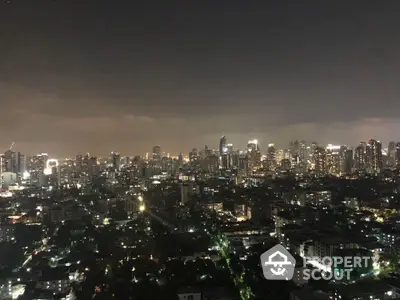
(348, 161)
(254, 155)
(392, 154)
(374, 156)
(359, 157)
(156, 153)
(222, 145)
(320, 165)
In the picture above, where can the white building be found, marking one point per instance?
(8, 178)
(189, 294)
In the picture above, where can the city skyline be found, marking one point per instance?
(217, 147)
(129, 75)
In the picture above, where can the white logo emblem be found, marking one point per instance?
(278, 264)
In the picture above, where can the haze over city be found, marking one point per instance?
(98, 76)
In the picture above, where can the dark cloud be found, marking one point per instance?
(104, 75)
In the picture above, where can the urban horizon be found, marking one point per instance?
(263, 145)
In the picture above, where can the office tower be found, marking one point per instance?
(12, 161)
(279, 156)
(39, 162)
(85, 163)
(22, 164)
(225, 161)
(225, 158)
(286, 164)
(222, 145)
(303, 152)
(222, 155)
(398, 154)
(156, 153)
(392, 154)
(271, 157)
(193, 155)
(234, 158)
(115, 160)
(210, 164)
(374, 156)
(78, 163)
(93, 167)
(333, 159)
(244, 164)
(360, 157)
(348, 161)
(254, 155)
(294, 149)
(320, 165)
(37, 167)
(207, 151)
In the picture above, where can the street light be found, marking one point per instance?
(142, 208)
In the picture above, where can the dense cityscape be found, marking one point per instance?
(199, 150)
(194, 226)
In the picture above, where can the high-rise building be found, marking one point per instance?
(156, 153)
(391, 161)
(222, 155)
(320, 165)
(254, 155)
(271, 157)
(244, 164)
(193, 155)
(115, 160)
(180, 160)
(222, 145)
(210, 164)
(12, 161)
(398, 154)
(348, 161)
(294, 147)
(333, 159)
(279, 156)
(78, 163)
(303, 152)
(360, 157)
(374, 156)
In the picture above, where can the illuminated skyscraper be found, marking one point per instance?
(222, 152)
(360, 157)
(279, 156)
(333, 159)
(254, 155)
(374, 156)
(320, 165)
(222, 145)
(271, 157)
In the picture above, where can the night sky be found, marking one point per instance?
(98, 76)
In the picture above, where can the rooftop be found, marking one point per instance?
(307, 294)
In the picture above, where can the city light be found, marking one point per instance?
(142, 208)
(48, 171)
